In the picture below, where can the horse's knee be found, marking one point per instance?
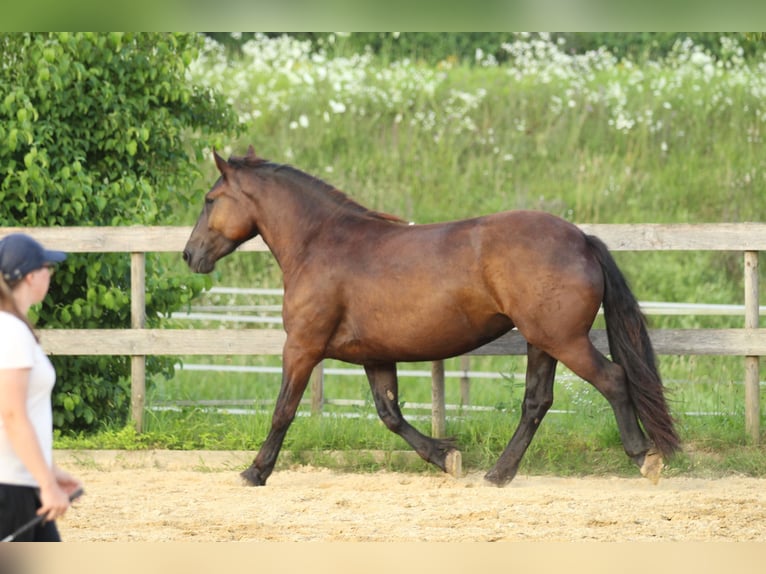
(535, 408)
(281, 420)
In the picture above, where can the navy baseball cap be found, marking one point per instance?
(20, 254)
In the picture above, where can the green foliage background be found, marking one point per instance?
(102, 129)
(435, 47)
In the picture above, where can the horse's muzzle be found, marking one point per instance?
(198, 264)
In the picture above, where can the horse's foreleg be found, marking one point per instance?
(296, 370)
(385, 391)
(538, 398)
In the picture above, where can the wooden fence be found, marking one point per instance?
(138, 342)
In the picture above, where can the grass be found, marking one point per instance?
(578, 437)
(565, 445)
(589, 138)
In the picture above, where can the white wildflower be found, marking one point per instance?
(337, 107)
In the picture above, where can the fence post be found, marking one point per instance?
(438, 402)
(465, 382)
(317, 389)
(137, 321)
(752, 375)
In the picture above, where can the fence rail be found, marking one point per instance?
(270, 313)
(138, 342)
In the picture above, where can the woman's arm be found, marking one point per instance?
(13, 411)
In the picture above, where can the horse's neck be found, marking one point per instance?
(302, 209)
(296, 214)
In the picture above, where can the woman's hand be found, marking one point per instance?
(54, 501)
(55, 496)
(66, 481)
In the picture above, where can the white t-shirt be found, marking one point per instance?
(19, 350)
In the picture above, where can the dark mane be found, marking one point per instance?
(307, 180)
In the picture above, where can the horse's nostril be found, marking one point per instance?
(186, 255)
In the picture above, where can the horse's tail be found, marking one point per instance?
(631, 348)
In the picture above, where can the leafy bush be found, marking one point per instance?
(102, 129)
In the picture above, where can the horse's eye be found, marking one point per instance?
(209, 201)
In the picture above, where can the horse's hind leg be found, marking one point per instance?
(538, 398)
(384, 385)
(609, 378)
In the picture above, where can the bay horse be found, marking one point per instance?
(368, 288)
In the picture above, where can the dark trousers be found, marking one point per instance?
(18, 505)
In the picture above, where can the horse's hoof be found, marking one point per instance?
(453, 463)
(652, 466)
(252, 477)
(493, 477)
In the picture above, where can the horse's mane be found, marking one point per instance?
(292, 173)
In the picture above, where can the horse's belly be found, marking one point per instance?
(409, 342)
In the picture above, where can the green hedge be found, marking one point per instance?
(102, 129)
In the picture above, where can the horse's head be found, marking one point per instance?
(226, 220)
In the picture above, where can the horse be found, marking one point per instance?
(368, 288)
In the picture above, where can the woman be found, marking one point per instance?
(30, 483)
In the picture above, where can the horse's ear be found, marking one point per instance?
(221, 164)
(251, 152)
